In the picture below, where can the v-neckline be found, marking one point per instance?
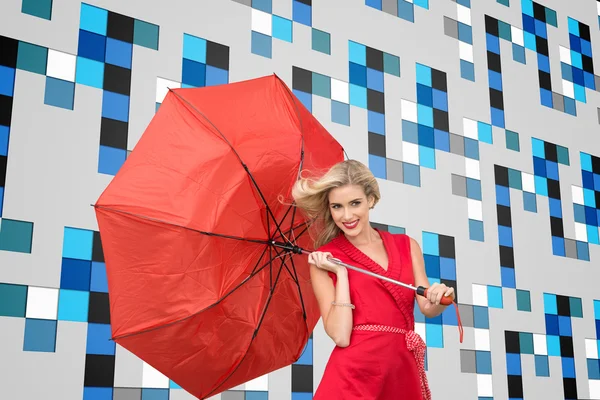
(364, 259)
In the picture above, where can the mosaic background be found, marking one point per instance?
(481, 120)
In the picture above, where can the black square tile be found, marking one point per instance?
(544, 78)
(507, 256)
(491, 26)
(3, 166)
(587, 63)
(376, 144)
(6, 104)
(446, 246)
(597, 197)
(496, 99)
(99, 370)
(513, 344)
(566, 346)
(439, 80)
(539, 12)
(374, 59)
(217, 55)
(556, 227)
(375, 101)
(596, 165)
(120, 27)
(501, 175)
(515, 386)
(117, 79)
(541, 45)
(302, 378)
(550, 151)
(97, 252)
(553, 189)
(563, 305)
(8, 51)
(113, 133)
(302, 80)
(99, 310)
(584, 31)
(440, 120)
(570, 388)
(307, 2)
(504, 215)
(494, 62)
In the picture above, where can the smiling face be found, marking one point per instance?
(349, 209)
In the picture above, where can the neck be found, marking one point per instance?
(365, 238)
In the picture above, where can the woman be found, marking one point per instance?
(377, 355)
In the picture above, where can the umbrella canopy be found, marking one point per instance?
(204, 284)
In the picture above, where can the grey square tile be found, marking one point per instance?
(394, 170)
(390, 7)
(457, 144)
(571, 248)
(466, 314)
(127, 394)
(232, 395)
(558, 102)
(468, 362)
(451, 27)
(459, 185)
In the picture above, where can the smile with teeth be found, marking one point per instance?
(351, 225)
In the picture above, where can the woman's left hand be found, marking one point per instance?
(438, 290)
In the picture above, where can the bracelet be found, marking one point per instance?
(343, 305)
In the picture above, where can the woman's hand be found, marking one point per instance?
(436, 291)
(319, 259)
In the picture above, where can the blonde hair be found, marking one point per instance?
(312, 195)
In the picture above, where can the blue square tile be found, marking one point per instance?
(492, 43)
(4, 136)
(302, 13)
(75, 274)
(422, 3)
(376, 122)
(89, 72)
(374, 3)
(505, 236)
(282, 29)
(99, 340)
(307, 355)
(484, 132)
(434, 336)
(564, 326)
(261, 45)
(423, 74)
(503, 195)
(432, 266)
(411, 174)
(357, 53)
(263, 5)
(193, 73)
(1, 199)
(377, 166)
(340, 113)
(216, 76)
(467, 70)
(155, 394)
(92, 46)
(551, 324)
(110, 160)
(471, 148)
(495, 297)
(426, 157)
(593, 367)
(358, 96)
(483, 362)
(449, 317)
(447, 268)
(476, 230)
(542, 367)
(305, 98)
(529, 202)
(543, 63)
(481, 318)
(251, 395)
(119, 53)
(426, 136)
(558, 246)
(424, 95)
(555, 208)
(465, 33)
(78, 243)
(93, 19)
(550, 304)
(302, 396)
(419, 317)
(115, 106)
(440, 99)
(568, 367)
(441, 140)
(513, 364)
(507, 276)
(583, 249)
(73, 305)
(40, 335)
(519, 53)
(59, 93)
(410, 132)
(97, 393)
(425, 115)
(474, 189)
(431, 244)
(579, 212)
(497, 117)
(7, 81)
(406, 10)
(375, 79)
(357, 74)
(194, 48)
(98, 280)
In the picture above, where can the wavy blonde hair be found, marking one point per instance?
(311, 195)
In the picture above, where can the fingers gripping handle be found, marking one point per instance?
(446, 301)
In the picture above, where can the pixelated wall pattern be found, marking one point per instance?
(479, 120)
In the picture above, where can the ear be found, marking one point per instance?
(371, 202)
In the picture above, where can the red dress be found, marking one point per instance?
(385, 357)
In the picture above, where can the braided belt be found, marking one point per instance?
(414, 343)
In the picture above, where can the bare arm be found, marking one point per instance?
(337, 320)
(429, 306)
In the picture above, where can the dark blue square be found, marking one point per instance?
(598, 328)
(358, 74)
(587, 179)
(432, 266)
(91, 45)
(424, 95)
(591, 217)
(75, 274)
(568, 367)
(575, 43)
(528, 24)
(481, 318)
(426, 137)
(513, 364)
(590, 82)
(194, 73)
(539, 166)
(552, 325)
(578, 76)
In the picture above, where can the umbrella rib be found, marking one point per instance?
(258, 241)
(255, 184)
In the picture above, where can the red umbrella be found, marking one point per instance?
(203, 281)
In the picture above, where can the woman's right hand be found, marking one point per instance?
(319, 259)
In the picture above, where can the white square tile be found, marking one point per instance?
(480, 295)
(528, 182)
(540, 347)
(42, 303)
(565, 54)
(516, 35)
(463, 14)
(482, 339)
(591, 348)
(472, 168)
(163, 86)
(409, 110)
(340, 91)
(152, 378)
(594, 385)
(262, 22)
(474, 209)
(581, 232)
(410, 153)
(260, 384)
(61, 65)
(465, 51)
(484, 386)
(577, 193)
(421, 330)
(470, 128)
(568, 89)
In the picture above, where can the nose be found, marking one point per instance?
(347, 214)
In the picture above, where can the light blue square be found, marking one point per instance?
(483, 362)
(471, 148)
(431, 244)
(110, 160)
(194, 48)
(305, 98)
(4, 136)
(495, 297)
(519, 53)
(216, 76)
(7, 81)
(410, 132)
(282, 29)
(302, 13)
(155, 394)
(484, 132)
(358, 96)
(340, 113)
(307, 354)
(527, 7)
(89, 73)
(173, 385)
(77, 244)
(375, 79)
(592, 234)
(440, 99)
(529, 202)
(411, 174)
(467, 70)
(541, 185)
(422, 3)
(465, 33)
(406, 10)
(576, 59)
(93, 19)
(473, 189)
(481, 317)
(425, 115)
(263, 5)
(97, 393)
(593, 366)
(423, 75)
(597, 310)
(426, 157)
(59, 93)
(115, 106)
(476, 230)
(589, 198)
(508, 277)
(542, 367)
(376, 122)
(40, 335)
(119, 53)
(434, 336)
(357, 53)
(447, 268)
(261, 45)
(98, 281)
(580, 93)
(98, 340)
(530, 41)
(550, 306)
(73, 305)
(252, 395)
(376, 4)
(573, 26)
(377, 166)
(537, 148)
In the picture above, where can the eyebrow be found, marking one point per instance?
(351, 201)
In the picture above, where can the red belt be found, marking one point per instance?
(414, 343)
